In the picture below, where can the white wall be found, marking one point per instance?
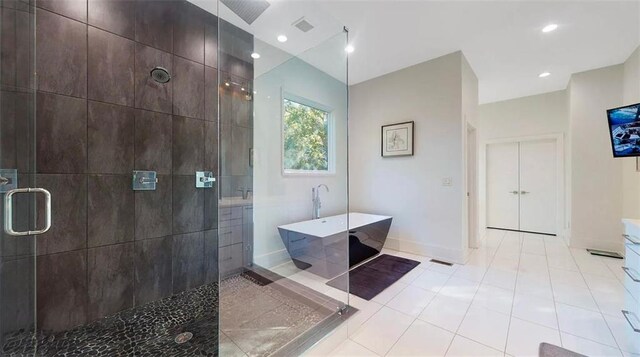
(469, 118)
(522, 117)
(596, 177)
(427, 216)
(282, 199)
(630, 177)
(600, 190)
(527, 116)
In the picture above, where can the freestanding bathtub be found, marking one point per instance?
(323, 247)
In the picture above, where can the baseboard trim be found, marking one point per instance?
(272, 259)
(432, 251)
(611, 246)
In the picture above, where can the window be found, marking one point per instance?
(306, 137)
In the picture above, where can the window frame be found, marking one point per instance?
(331, 169)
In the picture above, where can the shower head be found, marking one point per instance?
(249, 11)
(160, 75)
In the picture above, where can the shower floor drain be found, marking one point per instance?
(183, 337)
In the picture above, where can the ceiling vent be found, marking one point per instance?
(303, 25)
(248, 10)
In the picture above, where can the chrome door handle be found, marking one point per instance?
(628, 271)
(633, 241)
(514, 192)
(626, 316)
(8, 211)
(524, 192)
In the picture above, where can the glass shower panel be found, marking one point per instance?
(17, 124)
(282, 221)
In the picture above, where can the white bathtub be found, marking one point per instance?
(323, 246)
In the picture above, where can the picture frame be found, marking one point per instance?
(397, 139)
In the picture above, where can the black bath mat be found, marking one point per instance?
(371, 278)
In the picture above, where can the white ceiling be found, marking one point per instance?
(502, 40)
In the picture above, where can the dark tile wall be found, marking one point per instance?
(17, 97)
(99, 117)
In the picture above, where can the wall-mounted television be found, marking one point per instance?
(624, 128)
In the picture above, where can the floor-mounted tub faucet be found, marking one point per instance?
(315, 197)
(245, 192)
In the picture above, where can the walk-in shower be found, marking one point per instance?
(159, 138)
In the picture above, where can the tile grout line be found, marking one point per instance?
(513, 303)
(369, 318)
(471, 303)
(414, 318)
(553, 295)
(135, 270)
(468, 308)
(599, 309)
(383, 306)
(455, 333)
(363, 346)
(86, 168)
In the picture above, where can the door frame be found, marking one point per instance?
(561, 209)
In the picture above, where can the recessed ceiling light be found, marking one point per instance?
(226, 84)
(549, 28)
(544, 74)
(282, 38)
(349, 49)
(255, 55)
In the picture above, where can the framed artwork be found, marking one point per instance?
(397, 139)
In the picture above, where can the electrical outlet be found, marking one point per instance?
(447, 181)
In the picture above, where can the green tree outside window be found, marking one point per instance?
(306, 137)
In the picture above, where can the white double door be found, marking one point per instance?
(522, 190)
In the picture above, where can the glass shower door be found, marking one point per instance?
(17, 129)
(122, 271)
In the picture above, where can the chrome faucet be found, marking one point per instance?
(315, 198)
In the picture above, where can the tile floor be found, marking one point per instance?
(516, 291)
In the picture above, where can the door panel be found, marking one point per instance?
(502, 186)
(17, 158)
(538, 191)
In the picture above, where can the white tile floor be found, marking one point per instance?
(516, 291)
